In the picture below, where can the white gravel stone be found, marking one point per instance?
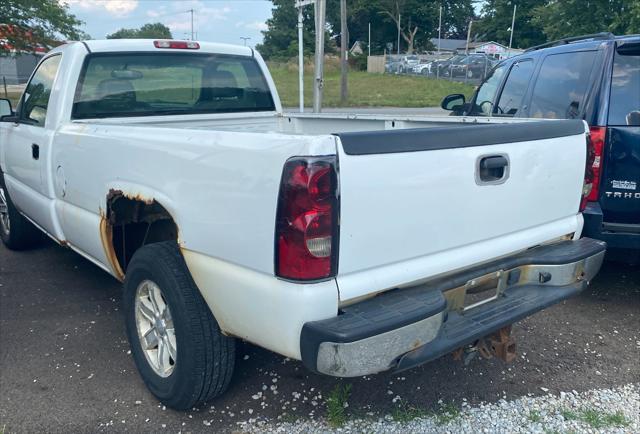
(548, 413)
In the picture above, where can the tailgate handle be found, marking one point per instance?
(492, 169)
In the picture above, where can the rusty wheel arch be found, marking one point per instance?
(129, 222)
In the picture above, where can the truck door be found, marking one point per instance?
(27, 145)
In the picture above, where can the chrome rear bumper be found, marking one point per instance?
(404, 328)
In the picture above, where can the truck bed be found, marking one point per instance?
(303, 123)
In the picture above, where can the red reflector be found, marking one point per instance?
(306, 222)
(184, 45)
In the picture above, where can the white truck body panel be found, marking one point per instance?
(396, 209)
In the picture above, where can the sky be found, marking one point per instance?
(213, 20)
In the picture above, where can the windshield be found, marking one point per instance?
(471, 59)
(151, 84)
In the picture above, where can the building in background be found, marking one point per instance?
(17, 65)
(459, 46)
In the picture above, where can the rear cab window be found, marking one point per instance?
(624, 103)
(561, 85)
(152, 84)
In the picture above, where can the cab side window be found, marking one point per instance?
(485, 95)
(561, 85)
(510, 101)
(33, 107)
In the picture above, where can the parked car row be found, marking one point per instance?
(469, 67)
(595, 78)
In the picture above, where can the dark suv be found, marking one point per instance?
(595, 78)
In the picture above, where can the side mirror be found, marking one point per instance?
(5, 108)
(453, 101)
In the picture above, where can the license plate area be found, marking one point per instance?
(476, 292)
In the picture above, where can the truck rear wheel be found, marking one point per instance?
(176, 343)
(16, 232)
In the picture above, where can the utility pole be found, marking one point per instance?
(466, 50)
(369, 43)
(513, 23)
(344, 46)
(321, 10)
(399, 16)
(245, 39)
(191, 10)
(301, 4)
(439, 31)
(300, 60)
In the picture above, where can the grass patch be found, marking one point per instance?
(13, 97)
(568, 415)
(447, 413)
(534, 416)
(405, 413)
(598, 419)
(337, 404)
(367, 90)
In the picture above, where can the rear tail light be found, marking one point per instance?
(183, 45)
(307, 219)
(593, 169)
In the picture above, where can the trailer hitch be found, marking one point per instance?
(499, 344)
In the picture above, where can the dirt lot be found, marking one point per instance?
(65, 364)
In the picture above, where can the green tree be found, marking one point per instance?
(455, 18)
(418, 21)
(566, 18)
(495, 22)
(148, 31)
(281, 37)
(29, 22)
(418, 24)
(280, 40)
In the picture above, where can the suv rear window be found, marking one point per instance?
(561, 85)
(152, 84)
(624, 104)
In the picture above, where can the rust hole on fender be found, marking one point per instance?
(130, 222)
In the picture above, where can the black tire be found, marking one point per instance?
(21, 233)
(205, 357)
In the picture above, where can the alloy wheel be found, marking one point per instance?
(5, 222)
(156, 330)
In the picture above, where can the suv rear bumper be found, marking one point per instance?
(616, 236)
(404, 328)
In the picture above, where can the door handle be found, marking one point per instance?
(35, 151)
(494, 162)
(492, 169)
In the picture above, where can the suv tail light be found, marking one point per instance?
(307, 219)
(593, 170)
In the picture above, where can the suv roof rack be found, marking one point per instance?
(594, 36)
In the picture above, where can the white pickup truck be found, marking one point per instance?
(356, 244)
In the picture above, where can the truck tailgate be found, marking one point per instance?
(420, 202)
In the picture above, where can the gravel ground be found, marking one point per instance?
(607, 410)
(65, 364)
